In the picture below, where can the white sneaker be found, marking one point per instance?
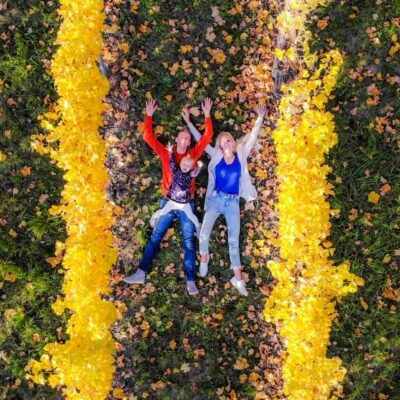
(240, 286)
(138, 277)
(192, 288)
(203, 269)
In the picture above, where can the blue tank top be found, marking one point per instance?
(228, 176)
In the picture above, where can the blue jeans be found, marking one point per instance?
(219, 204)
(161, 227)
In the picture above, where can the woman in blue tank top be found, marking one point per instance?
(228, 180)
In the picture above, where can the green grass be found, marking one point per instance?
(27, 42)
(366, 335)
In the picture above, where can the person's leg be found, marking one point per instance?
(187, 209)
(232, 216)
(189, 251)
(152, 247)
(209, 219)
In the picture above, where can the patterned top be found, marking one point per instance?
(179, 190)
(162, 152)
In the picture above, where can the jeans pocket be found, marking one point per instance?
(213, 202)
(234, 200)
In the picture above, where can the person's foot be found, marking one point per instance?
(192, 288)
(204, 267)
(239, 285)
(138, 277)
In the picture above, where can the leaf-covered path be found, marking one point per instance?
(216, 345)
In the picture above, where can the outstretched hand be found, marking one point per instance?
(261, 110)
(170, 147)
(151, 107)
(206, 107)
(186, 115)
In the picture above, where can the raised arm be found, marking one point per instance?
(202, 141)
(149, 136)
(197, 135)
(196, 170)
(250, 140)
(172, 159)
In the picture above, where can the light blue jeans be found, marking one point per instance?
(218, 204)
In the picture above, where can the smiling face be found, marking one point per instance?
(227, 143)
(183, 141)
(186, 164)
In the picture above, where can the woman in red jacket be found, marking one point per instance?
(164, 223)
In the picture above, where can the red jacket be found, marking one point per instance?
(162, 152)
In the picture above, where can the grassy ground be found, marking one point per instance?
(216, 345)
(29, 184)
(366, 334)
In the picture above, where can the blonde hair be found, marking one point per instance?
(219, 138)
(187, 158)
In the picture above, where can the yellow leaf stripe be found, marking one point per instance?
(83, 365)
(309, 284)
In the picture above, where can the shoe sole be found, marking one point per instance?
(133, 283)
